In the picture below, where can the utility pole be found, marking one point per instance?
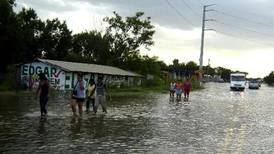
(208, 65)
(203, 31)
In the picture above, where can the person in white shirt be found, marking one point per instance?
(79, 95)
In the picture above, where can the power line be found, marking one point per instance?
(179, 13)
(247, 29)
(200, 1)
(188, 6)
(238, 10)
(245, 19)
(244, 39)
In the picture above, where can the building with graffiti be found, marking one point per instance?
(62, 75)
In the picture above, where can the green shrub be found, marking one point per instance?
(157, 81)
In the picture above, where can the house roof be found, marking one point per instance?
(89, 68)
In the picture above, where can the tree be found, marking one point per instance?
(270, 78)
(126, 36)
(30, 32)
(163, 65)
(8, 35)
(209, 70)
(92, 47)
(175, 67)
(150, 65)
(224, 73)
(56, 39)
(191, 67)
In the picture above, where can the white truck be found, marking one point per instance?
(237, 81)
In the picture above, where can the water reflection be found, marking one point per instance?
(41, 127)
(75, 124)
(215, 120)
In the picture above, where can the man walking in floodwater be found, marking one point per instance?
(100, 98)
(43, 91)
(79, 95)
(187, 88)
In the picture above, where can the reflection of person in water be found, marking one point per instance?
(41, 128)
(186, 111)
(76, 123)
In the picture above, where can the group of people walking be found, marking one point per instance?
(93, 94)
(178, 88)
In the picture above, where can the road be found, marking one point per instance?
(216, 120)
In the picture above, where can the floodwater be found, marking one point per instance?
(216, 120)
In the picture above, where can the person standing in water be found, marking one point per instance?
(43, 91)
(172, 89)
(79, 95)
(187, 88)
(90, 94)
(100, 95)
(178, 89)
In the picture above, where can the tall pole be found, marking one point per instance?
(202, 41)
(203, 35)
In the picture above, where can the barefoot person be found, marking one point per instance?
(100, 95)
(79, 95)
(43, 91)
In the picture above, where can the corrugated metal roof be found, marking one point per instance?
(89, 68)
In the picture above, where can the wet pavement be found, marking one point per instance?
(216, 120)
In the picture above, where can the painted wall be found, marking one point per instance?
(62, 80)
(30, 78)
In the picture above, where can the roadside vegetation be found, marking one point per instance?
(270, 79)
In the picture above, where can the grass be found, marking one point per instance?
(128, 91)
(142, 90)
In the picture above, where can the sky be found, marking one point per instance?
(243, 38)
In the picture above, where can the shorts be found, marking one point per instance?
(78, 100)
(178, 91)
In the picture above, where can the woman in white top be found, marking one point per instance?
(79, 96)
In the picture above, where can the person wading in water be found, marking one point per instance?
(78, 95)
(100, 95)
(90, 95)
(187, 88)
(43, 91)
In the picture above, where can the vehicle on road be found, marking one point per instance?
(254, 84)
(237, 81)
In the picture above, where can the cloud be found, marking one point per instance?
(244, 27)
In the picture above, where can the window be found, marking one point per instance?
(67, 77)
(237, 78)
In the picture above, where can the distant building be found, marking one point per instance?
(63, 75)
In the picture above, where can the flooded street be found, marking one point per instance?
(216, 120)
